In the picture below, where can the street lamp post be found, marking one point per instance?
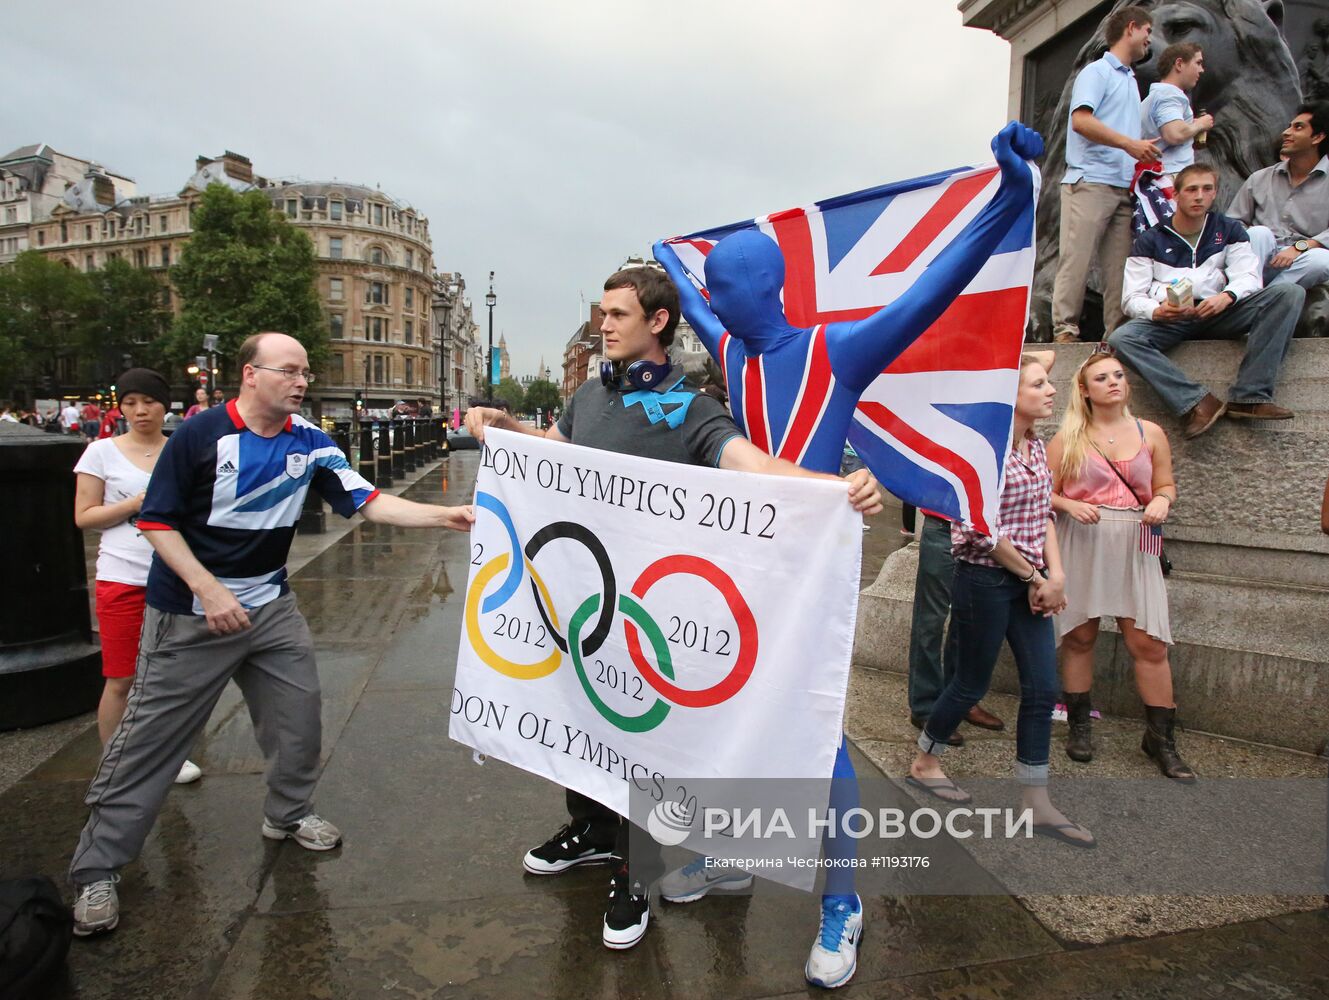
(490, 299)
(444, 361)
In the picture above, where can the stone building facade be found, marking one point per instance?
(374, 260)
(376, 280)
(33, 182)
(456, 335)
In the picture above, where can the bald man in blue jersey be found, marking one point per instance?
(220, 512)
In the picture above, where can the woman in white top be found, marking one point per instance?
(113, 475)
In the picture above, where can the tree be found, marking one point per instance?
(510, 392)
(542, 395)
(44, 306)
(127, 320)
(245, 269)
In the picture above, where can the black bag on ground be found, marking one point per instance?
(35, 930)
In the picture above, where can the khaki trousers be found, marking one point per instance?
(1095, 221)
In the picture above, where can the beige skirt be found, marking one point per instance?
(1108, 576)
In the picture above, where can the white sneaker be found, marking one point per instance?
(189, 771)
(311, 832)
(834, 958)
(697, 878)
(97, 908)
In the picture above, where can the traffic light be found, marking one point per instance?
(359, 400)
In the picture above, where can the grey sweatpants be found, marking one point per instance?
(181, 672)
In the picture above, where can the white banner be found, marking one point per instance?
(633, 622)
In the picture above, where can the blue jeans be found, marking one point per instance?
(1270, 316)
(932, 602)
(988, 605)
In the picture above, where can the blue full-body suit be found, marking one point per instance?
(745, 276)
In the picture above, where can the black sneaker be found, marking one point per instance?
(569, 847)
(628, 912)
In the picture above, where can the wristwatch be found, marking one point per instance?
(1301, 246)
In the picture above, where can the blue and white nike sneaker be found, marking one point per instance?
(834, 958)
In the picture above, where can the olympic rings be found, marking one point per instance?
(500, 597)
(738, 607)
(517, 671)
(580, 533)
(654, 715)
(661, 679)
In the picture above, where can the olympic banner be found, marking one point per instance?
(638, 624)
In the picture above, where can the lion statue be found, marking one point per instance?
(1250, 86)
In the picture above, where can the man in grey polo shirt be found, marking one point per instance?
(1102, 146)
(1286, 207)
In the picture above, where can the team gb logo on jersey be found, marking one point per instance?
(296, 465)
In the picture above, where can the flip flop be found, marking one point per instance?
(937, 787)
(1053, 831)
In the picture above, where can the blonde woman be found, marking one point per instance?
(1112, 490)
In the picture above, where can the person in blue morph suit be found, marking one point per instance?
(744, 277)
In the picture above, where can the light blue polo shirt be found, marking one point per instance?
(1108, 89)
(1167, 103)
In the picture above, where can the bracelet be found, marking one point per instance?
(1033, 572)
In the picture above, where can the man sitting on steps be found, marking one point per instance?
(1213, 254)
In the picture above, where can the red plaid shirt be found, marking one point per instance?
(1026, 505)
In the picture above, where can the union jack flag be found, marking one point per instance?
(935, 425)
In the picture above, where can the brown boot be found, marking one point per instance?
(1079, 744)
(1159, 744)
(1258, 411)
(1203, 416)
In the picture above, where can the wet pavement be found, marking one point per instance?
(427, 898)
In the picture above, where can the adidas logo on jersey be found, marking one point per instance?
(228, 467)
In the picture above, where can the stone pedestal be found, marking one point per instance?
(1249, 594)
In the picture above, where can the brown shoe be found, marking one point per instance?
(1203, 416)
(983, 719)
(1066, 337)
(919, 721)
(1258, 411)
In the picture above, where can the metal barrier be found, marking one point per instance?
(409, 456)
(397, 446)
(385, 463)
(366, 465)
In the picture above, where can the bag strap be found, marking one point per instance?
(1117, 471)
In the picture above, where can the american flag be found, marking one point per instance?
(1151, 539)
(1155, 199)
(935, 425)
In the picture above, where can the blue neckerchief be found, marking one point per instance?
(654, 403)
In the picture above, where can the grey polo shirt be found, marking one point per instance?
(672, 423)
(1269, 199)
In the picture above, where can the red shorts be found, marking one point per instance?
(120, 617)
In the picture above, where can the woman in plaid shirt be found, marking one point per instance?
(1008, 586)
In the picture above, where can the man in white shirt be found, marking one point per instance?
(69, 418)
(1166, 115)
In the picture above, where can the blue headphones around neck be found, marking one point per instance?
(643, 375)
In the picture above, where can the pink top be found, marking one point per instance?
(1099, 485)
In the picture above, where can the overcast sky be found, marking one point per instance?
(544, 141)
